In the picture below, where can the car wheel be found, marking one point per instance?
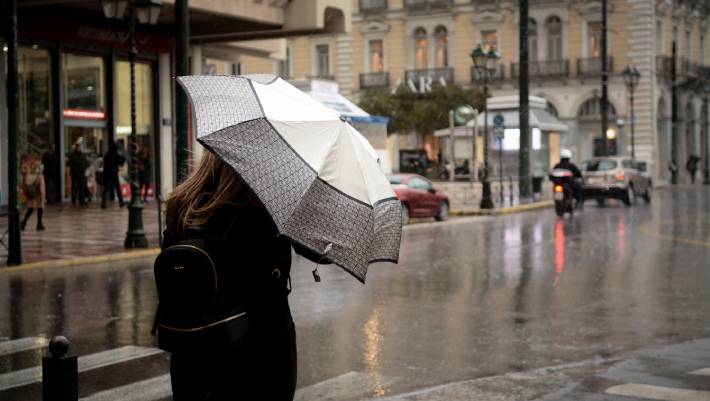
(601, 202)
(629, 196)
(443, 212)
(405, 214)
(648, 194)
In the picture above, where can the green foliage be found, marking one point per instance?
(422, 113)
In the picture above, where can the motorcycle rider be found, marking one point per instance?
(566, 164)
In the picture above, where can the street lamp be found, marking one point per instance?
(631, 78)
(485, 64)
(146, 11)
(706, 172)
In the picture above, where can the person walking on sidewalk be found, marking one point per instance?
(112, 162)
(214, 203)
(77, 169)
(35, 191)
(144, 172)
(50, 164)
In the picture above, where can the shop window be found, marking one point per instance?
(35, 115)
(441, 52)
(376, 55)
(532, 40)
(489, 40)
(83, 82)
(554, 38)
(421, 46)
(594, 35)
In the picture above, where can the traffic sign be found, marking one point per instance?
(499, 132)
(498, 120)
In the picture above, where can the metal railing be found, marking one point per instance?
(374, 79)
(322, 77)
(664, 65)
(592, 67)
(426, 6)
(373, 6)
(498, 75)
(436, 75)
(549, 69)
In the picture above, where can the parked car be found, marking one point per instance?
(419, 198)
(615, 177)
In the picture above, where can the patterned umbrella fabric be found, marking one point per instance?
(316, 175)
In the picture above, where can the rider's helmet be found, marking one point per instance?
(565, 154)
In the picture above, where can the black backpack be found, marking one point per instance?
(197, 308)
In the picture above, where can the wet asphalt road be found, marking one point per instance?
(472, 298)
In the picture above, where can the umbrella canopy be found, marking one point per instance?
(316, 175)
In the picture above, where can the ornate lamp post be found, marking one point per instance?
(147, 12)
(485, 65)
(631, 78)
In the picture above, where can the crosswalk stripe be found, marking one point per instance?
(658, 392)
(146, 390)
(22, 344)
(702, 372)
(89, 362)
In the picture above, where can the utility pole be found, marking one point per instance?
(523, 80)
(674, 115)
(182, 35)
(14, 256)
(605, 79)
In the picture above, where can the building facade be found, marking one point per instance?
(424, 42)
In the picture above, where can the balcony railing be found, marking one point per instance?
(373, 6)
(322, 77)
(436, 74)
(374, 79)
(426, 6)
(664, 65)
(592, 67)
(549, 69)
(498, 75)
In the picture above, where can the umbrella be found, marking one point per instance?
(318, 178)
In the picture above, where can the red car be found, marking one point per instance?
(419, 198)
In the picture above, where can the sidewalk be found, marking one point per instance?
(76, 232)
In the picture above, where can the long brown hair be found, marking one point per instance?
(212, 185)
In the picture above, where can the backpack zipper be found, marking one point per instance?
(214, 270)
(238, 315)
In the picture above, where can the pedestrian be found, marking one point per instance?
(77, 170)
(34, 187)
(692, 166)
(50, 164)
(112, 162)
(263, 365)
(143, 172)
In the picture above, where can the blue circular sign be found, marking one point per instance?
(498, 120)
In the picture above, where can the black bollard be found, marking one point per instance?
(60, 375)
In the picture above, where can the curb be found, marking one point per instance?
(84, 260)
(505, 210)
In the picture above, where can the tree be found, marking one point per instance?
(422, 113)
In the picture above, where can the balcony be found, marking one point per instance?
(427, 6)
(374, 80)
(436, 74)
(664, 66)
(373, 6)
(592, 67)
(550, 69)
(498, 75)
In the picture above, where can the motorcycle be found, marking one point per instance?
(562, 191)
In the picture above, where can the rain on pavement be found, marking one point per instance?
(472, 300)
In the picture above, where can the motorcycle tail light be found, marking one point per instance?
(559, 188)
(620, 176)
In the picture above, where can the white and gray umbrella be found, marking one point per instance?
(316, 175)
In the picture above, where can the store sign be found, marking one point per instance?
(422, 85)
(84, 114)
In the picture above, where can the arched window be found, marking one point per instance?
(554, 38)
(532, 40)
(421, 49)
(441, 52)
(591, 109)
(552, 109)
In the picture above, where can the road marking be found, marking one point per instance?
(146, 390)
(702, 372)
(645, 229)
(658, 392)
(101, 359)
(22, 344)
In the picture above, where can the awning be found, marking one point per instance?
(539, 118)
(346, 108)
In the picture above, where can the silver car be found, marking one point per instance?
(617, 178)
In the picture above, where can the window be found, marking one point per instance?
(532, 40)
(592, 108)
(323, 60)
(395, 179)
(418, 183)
(441, 52)
(599, 165)
(594, 35)
(421, 46)
(688, 45)
(376, 55)
(554, 38)
(35, 107)
(489, 40)
(659, 37)
(285, 64)
(701, 59)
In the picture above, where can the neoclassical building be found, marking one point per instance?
(423, 42)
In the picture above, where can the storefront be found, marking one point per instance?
(74, 88)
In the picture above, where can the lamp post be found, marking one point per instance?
(146, 12)
(631, 78)
(706, 169)
(485, 64)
